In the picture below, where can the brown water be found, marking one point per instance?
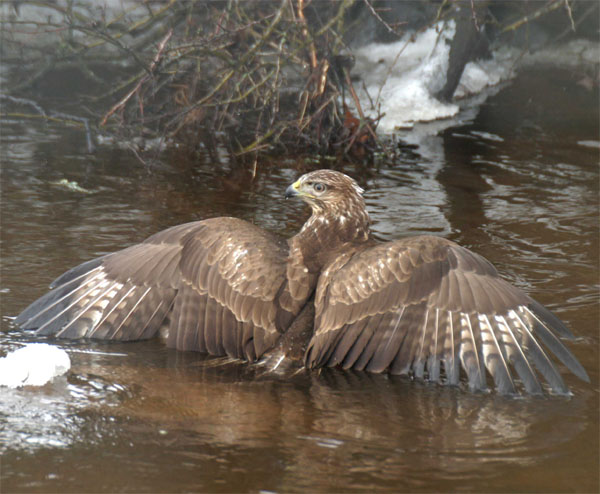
(518, 185)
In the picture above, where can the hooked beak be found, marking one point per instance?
(292, 190)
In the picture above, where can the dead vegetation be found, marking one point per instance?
(256, 76)
(260, 74)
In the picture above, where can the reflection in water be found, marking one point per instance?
(382, 428)
(138, 417)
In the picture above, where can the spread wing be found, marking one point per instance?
(425, 304)
(212, 283)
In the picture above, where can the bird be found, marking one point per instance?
(330, 296)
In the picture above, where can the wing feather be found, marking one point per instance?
(183, 331)
(539, 356)
(128, 311)
(340, 350)
(107, 296)
(74, 274)
(495, 357)
(433, 361)
(367, 349)
(411, 323)
(543, 331)
(452, 349)
(419, 360)
(469, 354)
(214, 282)
(70, 307)
(389, 343)
(517, 356)
(409, 306)
(229, 325)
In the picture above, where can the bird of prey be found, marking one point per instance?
(331, 295)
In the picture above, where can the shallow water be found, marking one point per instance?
(519, 185)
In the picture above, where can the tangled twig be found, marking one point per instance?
(137, 87)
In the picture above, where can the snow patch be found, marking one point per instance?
(401, 77)
(479, 74)
(575, 53)
(33, 365)
(589, 144)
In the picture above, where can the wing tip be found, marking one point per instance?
(550, 320)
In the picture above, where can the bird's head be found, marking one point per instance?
(324, 189)
(335, 199)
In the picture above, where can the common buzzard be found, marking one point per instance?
(329, 296)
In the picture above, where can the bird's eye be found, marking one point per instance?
(319, 187)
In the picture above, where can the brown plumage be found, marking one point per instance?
(329, 296)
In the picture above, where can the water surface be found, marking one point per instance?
(519, 185)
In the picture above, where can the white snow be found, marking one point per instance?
(479, 74)
(589, 144)
(401, 77)
(33, 365)
(575, 53)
